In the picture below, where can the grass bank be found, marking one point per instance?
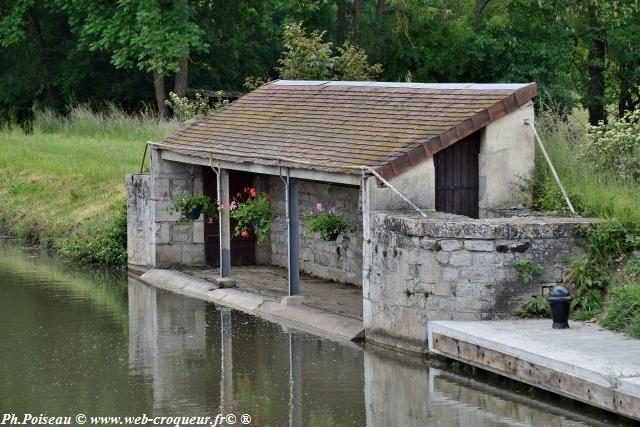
(62, 185)
(607, 280)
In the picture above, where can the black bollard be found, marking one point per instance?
(560, 303)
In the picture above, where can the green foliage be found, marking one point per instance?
(590, 281)
(632, 267)
(329, 223)
(190, 207)
(148, 34)
(614, 147)
(527, 269)
(305, 56)
(624, 311)
(109, 247)
(537, 307)
(188, 110)
(252, 210)
(351, 63)
(309, 57)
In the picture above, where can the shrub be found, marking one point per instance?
(624, 312)
(109, 247)
(190, 207)
(614, 147)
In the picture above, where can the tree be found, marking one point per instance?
(156, 36)
(309, 57)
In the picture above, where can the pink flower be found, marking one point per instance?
(269, 197)
(319, 206)
(233, 205)
(221, 207)
(333, 210)
(245, 233)
(252, 192)
(238, 195)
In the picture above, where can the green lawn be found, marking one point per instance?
(66, 179)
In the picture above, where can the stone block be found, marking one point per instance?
(450, 245)
(181, 233)
(479, 245)
(162, 232)
(168, 255)
(198, 232)
(460, 259)
(450, 274)
(192, 254)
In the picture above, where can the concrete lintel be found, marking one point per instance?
(307, 174)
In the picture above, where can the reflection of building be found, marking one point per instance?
(204, 360)
(165, 331)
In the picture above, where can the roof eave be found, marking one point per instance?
(402, 163)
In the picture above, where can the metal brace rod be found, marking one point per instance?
(388, 184)
(528, 122)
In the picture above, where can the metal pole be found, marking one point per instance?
(224, 221)
(293, 240)
(388, 184)
(553, 170)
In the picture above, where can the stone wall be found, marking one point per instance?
(169, 242)
(138, 219)
(449, 267)
(327, 260)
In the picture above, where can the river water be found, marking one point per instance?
(74, 341)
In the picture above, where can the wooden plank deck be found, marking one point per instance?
(586, 362)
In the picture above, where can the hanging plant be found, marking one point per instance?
(329, 223)
(252, 211)
(191, 207)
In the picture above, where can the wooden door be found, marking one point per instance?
(456, 169)
(243, 250)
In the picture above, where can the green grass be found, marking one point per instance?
(607, 280)
(66, 179)
(591, 193)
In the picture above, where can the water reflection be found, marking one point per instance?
(282, 377)
(76, 341)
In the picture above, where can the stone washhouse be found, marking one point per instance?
(431, 176)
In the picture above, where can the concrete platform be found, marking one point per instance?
(266, 304)
(586, 362)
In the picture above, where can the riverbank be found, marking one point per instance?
(62, 186)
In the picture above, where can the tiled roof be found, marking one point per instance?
(340, 126)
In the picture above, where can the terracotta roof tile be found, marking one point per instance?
(340, 126)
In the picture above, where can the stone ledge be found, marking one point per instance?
(446, 226)
(300, 317)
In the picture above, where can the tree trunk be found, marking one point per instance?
(51, 93)
(341, 22)
(357, 13)
(161, 94)
(596, 85)
(182, 77)
(480, 5)
(596, 68)
(378, 38)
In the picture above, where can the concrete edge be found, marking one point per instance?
(304, 318)
(624, 386)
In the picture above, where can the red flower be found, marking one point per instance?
(245, 233)
(252, 192)
(238, 195)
